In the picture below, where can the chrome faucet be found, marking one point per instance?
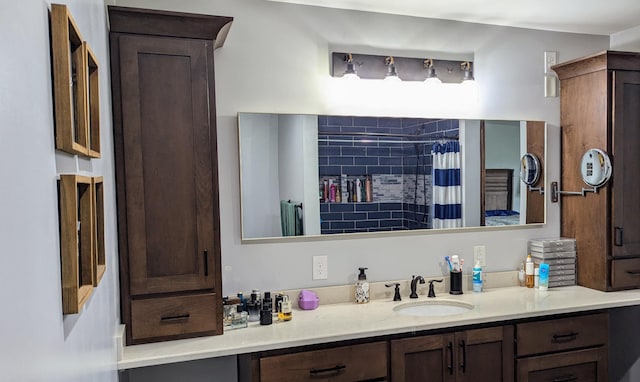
(414, 286)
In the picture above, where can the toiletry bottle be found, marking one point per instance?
(477, 277)
(266, 312)
(332, 191)
(521, 275)
(358, 190)
(325, 191)
(368, 189)
(362, 287)
(536, 276)
(543, 283)
(338, 194)
(284, 313)
(528, 270)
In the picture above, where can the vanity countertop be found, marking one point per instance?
(346, 321)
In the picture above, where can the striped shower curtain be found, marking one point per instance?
(447, 190)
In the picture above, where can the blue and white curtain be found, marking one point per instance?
(447, 190)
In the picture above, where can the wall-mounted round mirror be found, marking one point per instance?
(595, 167)
(529, 169)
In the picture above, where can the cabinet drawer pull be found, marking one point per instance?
(450, 364)
(635, 272)
(567, 378)
(337, 369)
(463, 364)
(565, 337)
(617, 233)
(206, 262)
(177, 317)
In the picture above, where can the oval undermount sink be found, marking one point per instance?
(431, 308)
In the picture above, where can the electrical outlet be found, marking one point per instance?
(479, 255)
(550, 59)
(320, 268)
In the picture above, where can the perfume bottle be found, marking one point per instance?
(285, 310)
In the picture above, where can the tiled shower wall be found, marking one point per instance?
(400, 170)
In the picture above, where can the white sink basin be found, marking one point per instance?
(431, 308)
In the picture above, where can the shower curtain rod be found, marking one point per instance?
(383, 141)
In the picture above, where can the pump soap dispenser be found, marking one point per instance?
(362, 287)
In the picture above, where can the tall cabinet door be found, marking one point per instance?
(168, 166)
(626, 164)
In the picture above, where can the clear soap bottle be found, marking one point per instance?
(528, 270)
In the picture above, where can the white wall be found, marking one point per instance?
(37, 342)
(628, 40)
(502, 142)
(276, 59)
(260, 211)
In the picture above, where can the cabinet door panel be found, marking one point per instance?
(588, 365)
(485, 354)
(427, 358)
(168, 169)
(626, 164)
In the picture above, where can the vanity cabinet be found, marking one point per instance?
(166, 172)
(365, 362)
(567, 349)
(472, 355)
(598, 109)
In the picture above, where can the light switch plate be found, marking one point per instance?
(320, 270)
(550, 59)
(479, 255)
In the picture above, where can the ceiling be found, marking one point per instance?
(577, 16)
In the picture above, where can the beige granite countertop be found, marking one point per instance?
(346, 321)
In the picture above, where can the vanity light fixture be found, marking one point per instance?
(350, 73)
(468, 72)
(432, 77)
(394, 68)
(392, 74)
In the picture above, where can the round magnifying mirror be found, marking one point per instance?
(529, 169)
(595, 167)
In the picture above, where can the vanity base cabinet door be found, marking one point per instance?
(366, 362)
(589, 365)
(426, 358)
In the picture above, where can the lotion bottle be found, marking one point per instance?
(477, 277)
(362, 287)
(528, 270)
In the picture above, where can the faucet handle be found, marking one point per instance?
(432, 292)
(396, 296)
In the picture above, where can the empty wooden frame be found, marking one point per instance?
(76, 241)
(75, 87)
(82, 250)
(99, 258)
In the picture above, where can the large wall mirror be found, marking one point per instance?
(310, 175)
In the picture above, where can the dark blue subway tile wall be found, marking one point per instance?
(341, 151)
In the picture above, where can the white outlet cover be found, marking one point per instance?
(320, 268)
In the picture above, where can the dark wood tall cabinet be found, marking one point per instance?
(166, 171)
(599, 104)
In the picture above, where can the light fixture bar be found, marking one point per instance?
(408, 69)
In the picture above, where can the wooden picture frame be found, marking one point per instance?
(69, 62)
(76, 196)
(99, 257)
(93, 109)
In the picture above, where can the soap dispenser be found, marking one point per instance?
(362, 287)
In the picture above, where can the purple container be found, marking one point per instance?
(308, 300)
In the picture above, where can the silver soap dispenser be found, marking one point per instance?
(362, 287)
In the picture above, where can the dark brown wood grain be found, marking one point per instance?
(598, 106)
(581, 365)
(348, 363)
(536, 145)
(166, 162)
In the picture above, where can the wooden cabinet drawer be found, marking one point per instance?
(172, 317)
(347, 363)
(588, 365)
(625, 273)
(562, 334)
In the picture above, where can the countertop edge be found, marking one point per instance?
(198, 348)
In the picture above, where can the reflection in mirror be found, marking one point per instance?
(344, 174)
